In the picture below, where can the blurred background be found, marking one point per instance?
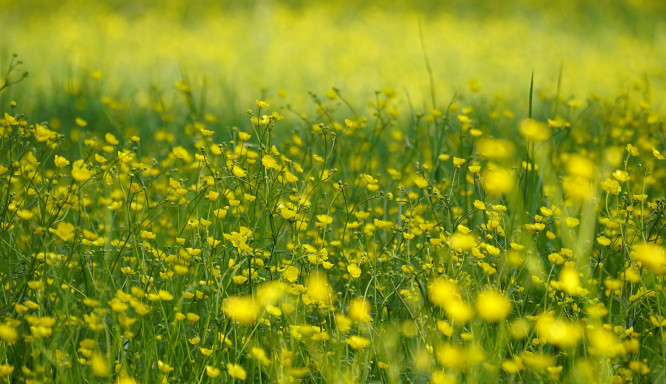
(239, 51)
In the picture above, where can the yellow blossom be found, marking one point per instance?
(60, 161)
(291, 273)
(492, 306)
(459, 311)
(80, 122)
(497, 180)
(558, 332)
(358, 342)
(236, 371)
(462, 241)
(354, 270)
(238, 171)
(458, 162)
(269, 162)
(319, 289)
(650, 255)
(359, 310)
(212, 372)
(100, 365)
(43, 134)
(65, 231)
(241, 309)
(80, 171)
(8, 333)
(260, 354)
(572, 222)
(533, 130)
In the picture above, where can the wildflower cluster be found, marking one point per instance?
(164, 235)
(317, 253)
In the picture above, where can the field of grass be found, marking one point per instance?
(302, 192)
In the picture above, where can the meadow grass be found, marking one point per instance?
(155, 235)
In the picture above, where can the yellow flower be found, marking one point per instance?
(236, 371)
(164, 367)
(80, 171)
(100, 365)
(633, 151)
(603, 241)
(60, 161)
(181, 153)
(519, 328)
(241, 309)
(358, 342)
(611, 186)
(582, 167)
(513, 366)
(569, 282)
(80, 122)
(319, 289)
(43, 134)
(556, 258)
(537, 361)
(459, 357)
(497, 180)
(192, 317)
(495, 148)
(238, 171)
(459, 311)
(492, 306)
(269, 162)
(480, 205)
(533, 130)
(462, 241)
(354, 270)
(359, 310)
(220, 213)
(458, 162)
(24, 214)
(324, 219)
(291, 273)
(8, 333)
(275, 311)
(262, 104)
(64, 230)
(126, 380)
(10, 119)
(164, 295)
(572, 222)
(110, 138)
(212, 372)
(441, 292)
(604, 343)
(421, 182)
(558, 332)
(260, 355)
(444, 328)
(125, 156)
(652, 256)
(206, 351)
(579, 188)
